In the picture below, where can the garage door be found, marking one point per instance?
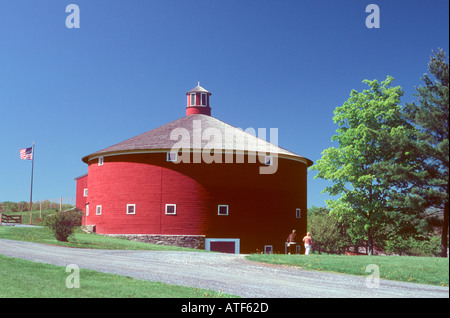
(222, 245)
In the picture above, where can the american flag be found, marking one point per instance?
(26, 153)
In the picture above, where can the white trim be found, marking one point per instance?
(101, 160)
(236, 245)
(222, 205)
(97, 210)
(271, 249)
(195, 99)
(174, 210)
(221, 151)
(134, 208)
(87, 209)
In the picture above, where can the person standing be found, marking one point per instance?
(308, 243)
(291, 241)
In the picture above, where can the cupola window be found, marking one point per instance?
(203, 99)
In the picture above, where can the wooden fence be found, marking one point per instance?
(10, 218)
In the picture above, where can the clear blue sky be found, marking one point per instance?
(283, 64)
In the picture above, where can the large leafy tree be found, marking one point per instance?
(430, 116)
(353, 167)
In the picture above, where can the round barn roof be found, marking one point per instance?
(199, 128)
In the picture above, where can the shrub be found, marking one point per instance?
(63, 224)
(413, 246)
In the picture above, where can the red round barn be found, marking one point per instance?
(197, 176)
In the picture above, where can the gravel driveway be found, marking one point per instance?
(229, 273)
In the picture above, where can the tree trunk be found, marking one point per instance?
(444, 235)
(370, 243)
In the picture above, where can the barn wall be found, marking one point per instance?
(82, 183)
(261, 206)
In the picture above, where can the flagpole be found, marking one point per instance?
(32, 168)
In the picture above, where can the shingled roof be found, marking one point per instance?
(160, 139)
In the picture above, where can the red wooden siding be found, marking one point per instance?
(81, 200)
(261, 207)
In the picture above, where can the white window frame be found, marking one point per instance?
(268, 159)
(101, 160)
(237, 243)
(174, 208)
(220, 206)
(195, 99)
(134, 208)
(298, 213)
(87, 209)
(171, 155)
(268, 249)
(85, 191)
(98, 210)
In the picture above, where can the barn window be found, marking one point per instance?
(268, 249)
(98, 210)
(84, 192)
(268, 161)
(203, 99)
(172, 156)
(100, 161)
(193, 99)
(171, 209)
(222, 210)
(131, 208)
(87, 209)
(298, 213)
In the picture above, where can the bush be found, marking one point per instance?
(63, 224)
(413, 246)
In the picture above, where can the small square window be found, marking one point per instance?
(222, 210)
(131, 208)
(98, 210)
(172, 156)
(100, 161)
(171, 209)
(268, 161)
(268, 249)
(298, 213)
(84, 192)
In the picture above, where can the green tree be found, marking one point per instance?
(430, 116)
(352, 167)
(328, 234)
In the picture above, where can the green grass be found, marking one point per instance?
(35, 215)
(81, 240)
(25, 279)
(425, 270)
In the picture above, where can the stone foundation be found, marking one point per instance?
(191, 241)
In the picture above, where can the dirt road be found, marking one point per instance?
(229, 273)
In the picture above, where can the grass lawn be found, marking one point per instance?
(25, 279)
(81, 239)
(425, 270)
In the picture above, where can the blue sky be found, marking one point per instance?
(283, 64)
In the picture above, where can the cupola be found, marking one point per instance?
(198, 101)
